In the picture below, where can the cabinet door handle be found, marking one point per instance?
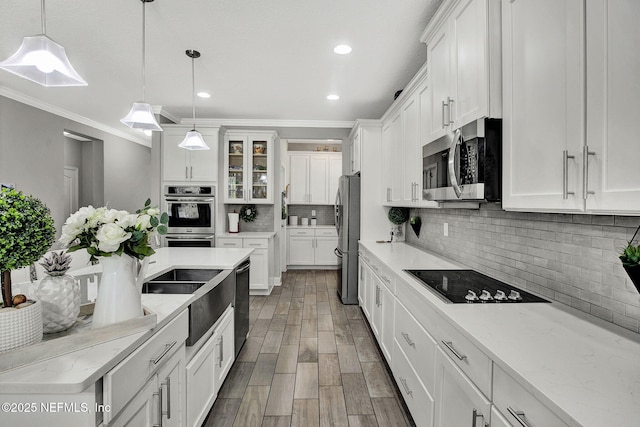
(444, 124)
(159, 394)
(585, 171)
(565, 174)
(168, 384)
(221, 351)
(475, 415)
(186, 172)
(191, 172)
(408, 340)
(449, 105)
(518, 415)
(166, 350)
(406, 387)
(449, 345)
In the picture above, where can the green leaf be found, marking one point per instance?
(154, 221)
(147, 204)
(164, 218)
(162, 229)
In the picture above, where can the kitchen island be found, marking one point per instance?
(77, 376)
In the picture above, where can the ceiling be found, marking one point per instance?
(267, 60)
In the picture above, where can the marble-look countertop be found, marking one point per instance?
(585, 370)
(77, 370)
(249, 234)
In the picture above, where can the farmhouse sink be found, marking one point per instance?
(179, 281)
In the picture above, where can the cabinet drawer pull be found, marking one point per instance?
(159, 394)
(406, 387)
(408, 340)
(449, 345)
(230, 244)
(386, 279)
(168, 384)
(518, 415)
(475, 415)
(221, 342)
(255, 244)
(166, 350)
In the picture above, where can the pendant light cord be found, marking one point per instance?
(193, 90)
(43, 17)
(144, 80)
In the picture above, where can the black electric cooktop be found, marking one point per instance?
(471, 287)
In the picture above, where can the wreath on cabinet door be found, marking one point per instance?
(248, 213)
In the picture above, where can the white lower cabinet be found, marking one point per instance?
(415, 394)
(312, 246)
(459, 402)
(259, 280)
(208, 368)
(149, 384)
(365, 287)
(519, 406)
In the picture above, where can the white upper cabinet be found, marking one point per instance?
(543, 126)
(248, 166)
(571, 106)
(180, 165)
(392, 158)
(356, 146)
(613, 105)
(463, 65)
(313, 178)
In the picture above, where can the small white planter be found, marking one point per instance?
(20, 327)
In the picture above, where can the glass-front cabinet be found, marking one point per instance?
(248, 166)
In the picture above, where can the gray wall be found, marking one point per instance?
(32, 157)
(572, 259)
(262, 222)
(324, 213)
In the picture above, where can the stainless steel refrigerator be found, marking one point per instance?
(347, 217)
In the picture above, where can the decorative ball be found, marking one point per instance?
(398, 215)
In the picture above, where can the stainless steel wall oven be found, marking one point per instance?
(191, 212)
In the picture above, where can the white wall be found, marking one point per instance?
(32, 157)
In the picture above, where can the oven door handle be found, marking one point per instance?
(191, 199)
(189, 237)
(457, 140)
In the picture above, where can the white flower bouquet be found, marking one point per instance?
(105, 232)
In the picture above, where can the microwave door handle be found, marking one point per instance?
(457, 140)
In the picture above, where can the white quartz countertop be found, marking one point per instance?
(77, 370)
(249, 234)
(585, 370)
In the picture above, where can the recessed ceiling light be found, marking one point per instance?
(342, 49)
(204, 94)
(333, 97)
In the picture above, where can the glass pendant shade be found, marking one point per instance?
(193, 141)
(42, 60)
(141, 117)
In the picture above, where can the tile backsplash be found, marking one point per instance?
(568, 258)
(324, 213)
(262, 222)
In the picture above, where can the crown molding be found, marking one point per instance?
(271, 123)
(41, 105)
(158, 109)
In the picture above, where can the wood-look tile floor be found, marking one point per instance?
(309, 361)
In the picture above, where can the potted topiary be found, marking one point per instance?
(26, 233)
(630, 258)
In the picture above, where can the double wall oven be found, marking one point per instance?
(191, 212)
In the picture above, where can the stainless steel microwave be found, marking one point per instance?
(465, 165)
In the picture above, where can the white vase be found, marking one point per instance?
(119, 290)
(60, 297)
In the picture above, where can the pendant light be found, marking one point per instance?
(141, 114)
(42, 60)
(193, 140)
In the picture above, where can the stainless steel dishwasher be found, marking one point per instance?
(241, 305)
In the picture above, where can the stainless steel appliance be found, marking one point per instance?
(471, 287)
(241, 305)
(191, 212)
(347, 218)
(465, 165)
